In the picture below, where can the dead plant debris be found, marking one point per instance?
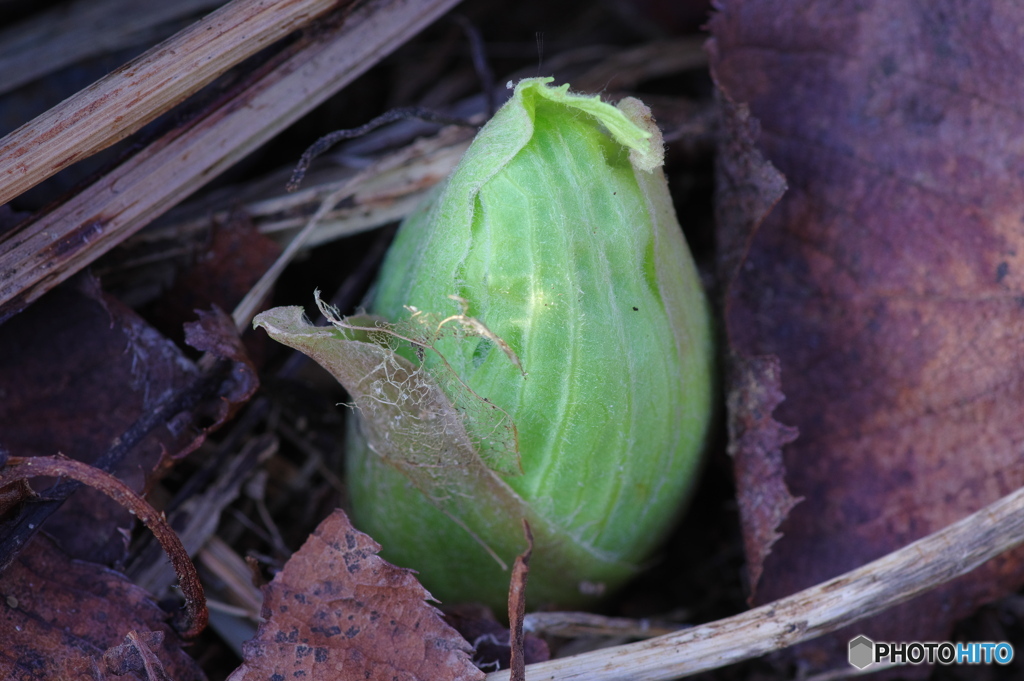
(60, 617)
(337, 609)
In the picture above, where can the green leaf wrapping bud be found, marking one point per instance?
(562, 363)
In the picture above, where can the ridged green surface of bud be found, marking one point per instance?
(569, 252)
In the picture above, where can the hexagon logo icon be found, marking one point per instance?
(862, 652)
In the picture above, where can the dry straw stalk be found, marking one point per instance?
(848, 598)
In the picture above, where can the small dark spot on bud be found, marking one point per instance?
(1001, 271)
(483, 348)
(636, 309)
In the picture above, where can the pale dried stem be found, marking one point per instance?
(390, 196)
(869, 590)
(234, 575)
(624, 69)
(377, 199)
(587, 624)
(197, 519)
(45, 252)
(119, 104)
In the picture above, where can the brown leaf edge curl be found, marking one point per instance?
(195, 614)
(755, 445)
(214, 332)
(337, 610)
(748, 187)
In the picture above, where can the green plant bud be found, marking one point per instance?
(546, 356)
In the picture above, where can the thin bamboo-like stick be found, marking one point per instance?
(122, 102)
(868, 590)
(43, 253)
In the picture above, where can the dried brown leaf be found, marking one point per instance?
(59, 616)
(76, 371)
(24, 468)
(888, 281)
(223, 272)
(136, 655)
(338, 611)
